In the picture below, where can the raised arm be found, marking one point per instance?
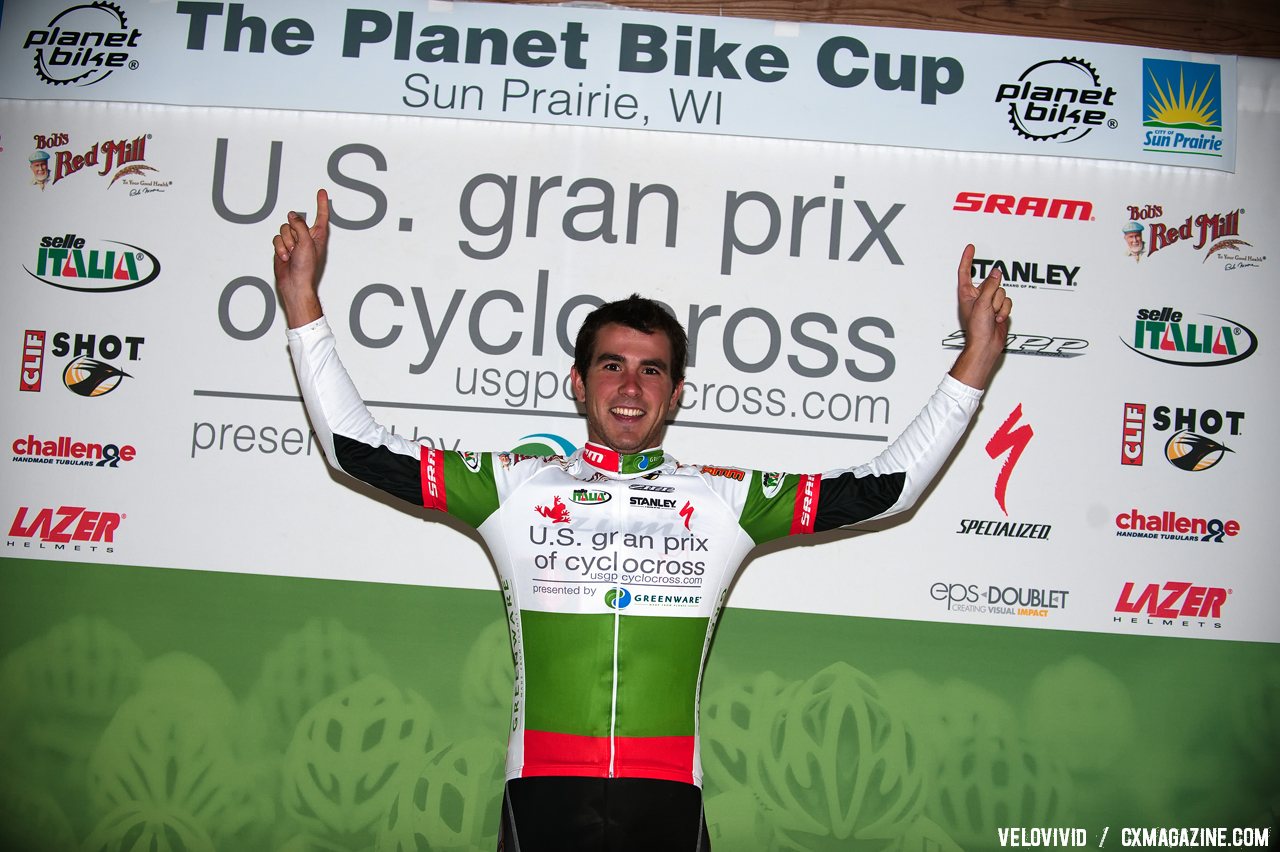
(984, 316)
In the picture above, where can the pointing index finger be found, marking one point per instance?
(322, 209)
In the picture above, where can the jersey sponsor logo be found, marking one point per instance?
(557, 512)
(1026, 205)
(805, 513)
(431, 464)
(32, 360)
(771, 483)
(1057, 99)
(686, 512)
(471, 459)
(1171, 526)
(1013, 441)
(641, 486)
(69, 262)
(653, 502)
(66, 524)
(727, 472)
(590, 496)
(617, 598)
(1161, 335)
(1175, 603)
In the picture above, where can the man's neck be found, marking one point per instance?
(598, 455)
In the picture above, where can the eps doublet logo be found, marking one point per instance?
(83, 44)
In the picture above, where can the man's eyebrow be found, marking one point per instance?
(613, 357)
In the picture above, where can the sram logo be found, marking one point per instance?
(1024, 205)
(66, 524)
(1174, 599)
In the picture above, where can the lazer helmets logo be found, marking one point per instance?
(83, 44)
(89, 373)
(1185, 449)
(71, 262)
(1174, 603)
(1182, 107)
(1059, 100)
(1161, 334)
(74, 525)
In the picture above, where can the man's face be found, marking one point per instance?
(628, 389)
(1134, 240)
(40, 168)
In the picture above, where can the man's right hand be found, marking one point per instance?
(300, 254)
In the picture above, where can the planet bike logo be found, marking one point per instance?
(1182, 107)
(1188, 450)
(1174, 603)
(1024, 205)
(999, 600)
(1161, 335)
(89, 373)
(65, 525)
(70, 262)
(590, 497)
(617, 598)
(123, 159)
(64, 450)
(1029, 274)
(1050, 346)
(83, 44)
(1170, 526)
(1060, 100)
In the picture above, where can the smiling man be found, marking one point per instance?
(615, 562)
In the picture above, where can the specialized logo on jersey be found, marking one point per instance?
(1161, 334)
(1182, 107)
(686, 512)
(557, 512)
(1171, 526)
(70, 262)
(617, 598)
(1058, 99)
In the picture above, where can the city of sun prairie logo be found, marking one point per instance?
(1182, 107)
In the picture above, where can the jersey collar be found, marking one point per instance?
(616, 462)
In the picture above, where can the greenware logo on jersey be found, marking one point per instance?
(590, 496)
(618, 598)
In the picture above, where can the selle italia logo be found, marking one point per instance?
(72, 262)
(590, 496)
(1172, 337)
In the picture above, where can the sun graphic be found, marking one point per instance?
(1194, 109)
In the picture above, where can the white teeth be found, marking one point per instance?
(628, 412)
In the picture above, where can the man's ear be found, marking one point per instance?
(675, 394)
(579, 385)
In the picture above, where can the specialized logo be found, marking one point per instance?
(65, 524)
(1170, 526)
(1060, 100)
(590, 496)
(1030, 344)
(32, 371)
(1004, 529)
(83, 44)
(1175, 599)
(1182, 107)
(686, 512)
(1029, 274)
(64, 450)
(1013, 441)
(999, 600)
(617, 598)
(69, 262)
(1189, 448)
(1024, 205)
(557, 512)
(1213, 341)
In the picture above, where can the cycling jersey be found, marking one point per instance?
(614, 567)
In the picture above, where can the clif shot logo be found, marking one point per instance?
(89, 373)
(1182, 107)
(71, 262)
(1194, 445)
(83, 44)
(1162, 334)
(1059, 100)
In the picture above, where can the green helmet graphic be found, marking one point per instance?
(165, 750)
(140, 827)
(178, 673)
(311, 664)
(31, 819)
(840, 766)
(736, 723)
(1082, 714)
(450, 803)
(487, 678)
(343, 767)
(990, 782)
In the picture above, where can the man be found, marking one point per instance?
(39, 169)
(1134, 244)
(614, 563)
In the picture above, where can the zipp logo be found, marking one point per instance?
(1024, 205)
(66, 524)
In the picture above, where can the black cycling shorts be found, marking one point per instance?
(558, 814)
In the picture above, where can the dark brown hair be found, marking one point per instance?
(643, 315)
